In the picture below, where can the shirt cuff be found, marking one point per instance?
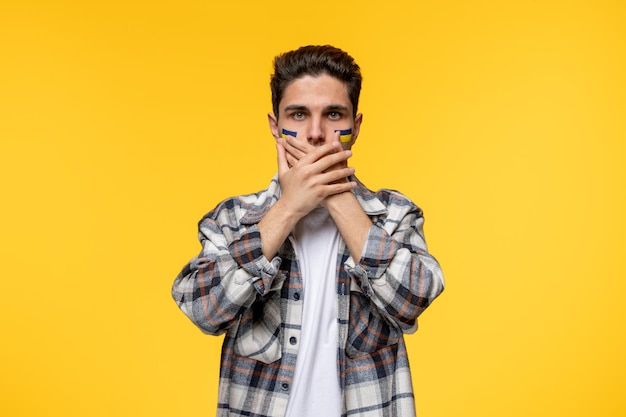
(378, 252)
(247, 251)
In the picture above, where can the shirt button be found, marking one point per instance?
(296, 296)
(284, 386)
(293, 340)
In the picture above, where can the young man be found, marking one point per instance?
(315, 279)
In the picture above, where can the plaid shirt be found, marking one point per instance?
(230, 287)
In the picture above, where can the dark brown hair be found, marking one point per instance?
(314, 61)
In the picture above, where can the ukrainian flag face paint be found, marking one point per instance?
(345, 135)
(286, 133)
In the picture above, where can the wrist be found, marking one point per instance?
(274, 228)
(286, 213)
(339, 200)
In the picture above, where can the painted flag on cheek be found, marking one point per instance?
(286, 133)
(345, 135)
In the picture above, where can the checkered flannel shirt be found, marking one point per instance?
(230, 287)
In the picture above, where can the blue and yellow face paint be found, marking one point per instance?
(345, 135)
(286, 133)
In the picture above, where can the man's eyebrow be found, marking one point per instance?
(296, 107)
(336, 107)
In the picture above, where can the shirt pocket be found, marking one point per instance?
(258, 333)
(368, 331)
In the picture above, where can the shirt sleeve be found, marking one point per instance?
(395, 270)
(219, 284)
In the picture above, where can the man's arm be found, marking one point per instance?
(351, 220)
(395, 270)
(238, 263)
(390, 262)
(223, 280)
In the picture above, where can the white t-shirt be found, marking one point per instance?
(315, 390)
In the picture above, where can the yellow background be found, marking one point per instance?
(123, 122)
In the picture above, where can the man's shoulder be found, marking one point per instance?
(247, 206)
(391, 200)
(391, 196)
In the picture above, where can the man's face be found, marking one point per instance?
(315, 107)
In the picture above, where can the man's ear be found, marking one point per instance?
(357, 127)
(273, 121)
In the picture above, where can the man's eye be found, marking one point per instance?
(298, 115)
(334, 115)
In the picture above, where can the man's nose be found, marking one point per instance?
(316, 133)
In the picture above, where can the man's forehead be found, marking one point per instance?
(323, 90)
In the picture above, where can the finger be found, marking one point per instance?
(283, 165)
(298, 148)
(295, 151)
(318, 152)
(336, 175)
(291, 160)
(340, 187)
(327, 161)
(337, 136)
(301, 145)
